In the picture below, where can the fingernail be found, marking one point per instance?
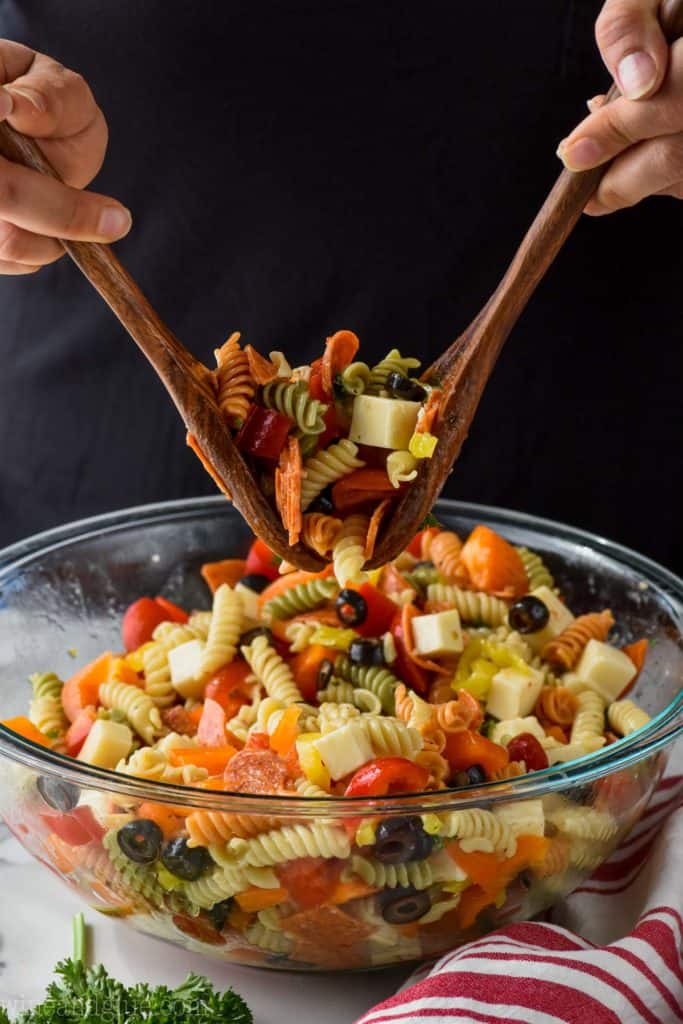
(579, 155)
(115, 222)
(36, 99)
(6, 104)
(636, 75)
(594, 103)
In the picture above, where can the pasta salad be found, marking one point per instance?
(333, 444)
(455, 665)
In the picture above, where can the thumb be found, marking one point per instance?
(633, 46)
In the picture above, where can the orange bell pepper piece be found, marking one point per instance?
(286, 732)
(493, 565)
(82, 690)
(230, 571)
(214, 760)
(255, 899)
(24, 727)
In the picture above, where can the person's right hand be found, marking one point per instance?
(40, 98)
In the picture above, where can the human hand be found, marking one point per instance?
(642, 130)
(40, 98)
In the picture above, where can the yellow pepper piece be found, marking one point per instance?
(421, 446)
(365, 835)
(167, 880)
(374, 576)
(312, 764)
(455, 887)
(332, 636)
(134, 660)
(432, 824)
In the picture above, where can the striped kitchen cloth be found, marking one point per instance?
(611, 953)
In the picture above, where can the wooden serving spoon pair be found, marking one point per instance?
(463, 369)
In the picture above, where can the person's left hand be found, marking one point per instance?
(642, 130)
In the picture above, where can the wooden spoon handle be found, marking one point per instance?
(546, 236)
(108, 275)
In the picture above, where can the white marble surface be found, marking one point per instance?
(35, 932)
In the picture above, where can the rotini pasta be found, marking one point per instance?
(271, 671)
(389, 737)
(293, 399)
(626, 717)
(416, 874)
(226, 625)
(284, 844)
(301, 598)
(444, 551)
(556, 705)
(319, 532)
(326, 467)
(139, 709)
(480, 824)
(348, 554)
(537, 572)
(401, 468)
(354, 379)
(589, 721)
(234, 382)
(46, 711)
(393, 362)
(378, 680)
(475, 607)
(566, 649)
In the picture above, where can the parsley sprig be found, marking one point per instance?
(88, 995)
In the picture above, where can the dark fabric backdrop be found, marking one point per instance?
(297, 167)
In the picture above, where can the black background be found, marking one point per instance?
(294, 168)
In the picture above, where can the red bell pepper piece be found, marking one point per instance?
(415, 546)
(381, 611)
(228, 687)
(412, 675)
(315, 382)
(263, 433)
(467, 747)
(387, 775)
(77, 828)
(78, 731)
(261, 561)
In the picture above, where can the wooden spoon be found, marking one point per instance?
(186, 379)
(465, 367)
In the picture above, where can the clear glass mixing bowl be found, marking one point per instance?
(62, 594)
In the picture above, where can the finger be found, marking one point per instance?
(19, 246)
(617, 125)
(596, 102)
(16, 269)
(647, 169)
(15, 60)
(632, 45)
(40, 204)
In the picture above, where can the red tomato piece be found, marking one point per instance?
(172, 611)
(78, 731)
(525, 747)
(198, 929)
(261, 561)
(211, 731)
(139, 622)
(228, 688)
(380, 614)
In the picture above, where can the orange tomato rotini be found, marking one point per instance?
(234, 382)
(566, 649)
(319, 532)
(556, 705)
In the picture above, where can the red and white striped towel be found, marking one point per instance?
(611, 953)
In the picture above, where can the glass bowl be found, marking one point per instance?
(304, 897)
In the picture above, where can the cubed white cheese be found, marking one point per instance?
(560, 618)
(184, 662)
(514, 726)
(513, 692)
(440, 633)
(344, 750)
(250, 608)
(383, 422)
(605, 669)
(525, 817)
(106, 744)
(444, 868)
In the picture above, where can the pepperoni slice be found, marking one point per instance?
(255, 771)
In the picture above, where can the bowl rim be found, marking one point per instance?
(662, 730)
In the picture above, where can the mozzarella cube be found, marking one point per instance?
(440, 633)
(185, 664)
(514, 726)
(106, 744)
(383, 422)
(525, 817)
(250, 608)
(513, 692)
(344, 750)
(605, 669)
(560, 618)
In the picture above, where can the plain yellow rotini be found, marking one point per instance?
(348, 555)
(589, 722)
(626, 717)
(320, 839)
(477, 823)
(140, 710)
(472, 606)
(326, 467)
(389, 737)
(401, 468)
(417, 874)
(227, 620)
(272, 672)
